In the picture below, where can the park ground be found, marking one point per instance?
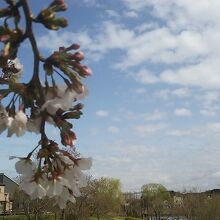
(23, 217)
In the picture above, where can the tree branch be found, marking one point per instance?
(29, 34)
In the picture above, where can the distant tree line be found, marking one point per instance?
(100, 197)
(156, 201)
(103, 196)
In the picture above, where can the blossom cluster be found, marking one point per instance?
(50, 97)
(16, 125)
(57, 98)
(61, 181)
(48, 15)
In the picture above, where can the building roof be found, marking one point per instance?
(2, 174)
(10, 185)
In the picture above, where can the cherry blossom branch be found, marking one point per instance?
(54, 172)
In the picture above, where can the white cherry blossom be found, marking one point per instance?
(84, 163)
(62, 187)
(61, 201)
(39, 191)
(25, 167)
(15, 65)
(33, 125)
(62, 101)
(18, 66)
(27, 185)
(56, 186)
(3, 119)
(17, 125)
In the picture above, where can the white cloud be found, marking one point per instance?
(136, 4)
(133, 157)
(214, 127)
(131, 14)
(164, 163)
(140, 151)
(90, 3)
(184, 36)
(113, 129)
(155, 115)
(109, 36)
(163, 94)
(180, 13)
(146, 27)
(182, 112)
(192, 41)
(181, 92)
(146, 77)
(140, 90)
(205, 74)
(208, 97)
(112, 13)
(216, 174)
(165, 47)
(179, 132)
(102, 113)
(208, 112)
(149, 129)
(53, 40)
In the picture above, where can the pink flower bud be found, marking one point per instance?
(78, 56)
(59, 2)
(78, 107)
(73, 47)
(4, 38)
(86, 71)
(68, 138)
(63, 23)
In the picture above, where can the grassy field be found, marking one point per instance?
(14, 217)
(114, 218)
(51, 218)
(22, 217)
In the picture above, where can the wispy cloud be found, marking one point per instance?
(102, 113)
(113, 129)
(185, 37)
(149, 129)
(155, 115)
(112, 13)
(131, 14)
(182, 112)
(146, 77)
(208, 112)
(179, 133)
(181, 92)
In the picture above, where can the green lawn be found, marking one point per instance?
(14, 217)
(114, 218)
(22, 217)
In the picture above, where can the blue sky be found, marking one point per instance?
(152, 114)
